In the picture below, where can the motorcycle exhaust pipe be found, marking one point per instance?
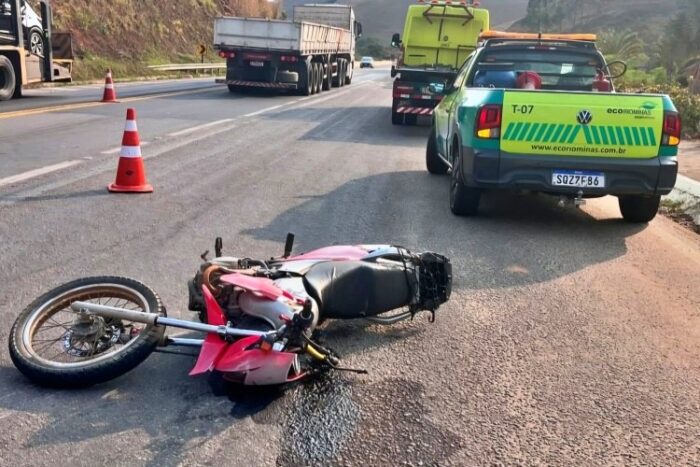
(156, 320)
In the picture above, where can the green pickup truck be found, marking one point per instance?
(540, 114)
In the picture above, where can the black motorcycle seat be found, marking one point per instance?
(353, 289)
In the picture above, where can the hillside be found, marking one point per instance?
(381, 18)
(127, 34)
(597, 15)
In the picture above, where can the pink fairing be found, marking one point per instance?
(261, 286)
(214, 346)
(336, 253)
(261, 367)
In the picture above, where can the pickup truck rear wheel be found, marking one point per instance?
(639, 209)
(434, 163)
(7, 79)
(464, 200)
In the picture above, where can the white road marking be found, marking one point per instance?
(116, 150)
(253, 114)
(200, 127)
(37, 172)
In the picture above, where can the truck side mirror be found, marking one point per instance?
(358, 29)
(396, 40)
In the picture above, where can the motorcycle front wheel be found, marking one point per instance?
(55, 346)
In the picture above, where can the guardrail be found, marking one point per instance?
(189, 66)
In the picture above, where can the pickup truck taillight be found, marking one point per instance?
(672, 129)
(488, 122)
(224, 54)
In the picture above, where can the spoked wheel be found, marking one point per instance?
(55, 346)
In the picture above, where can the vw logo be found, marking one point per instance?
(584, 117)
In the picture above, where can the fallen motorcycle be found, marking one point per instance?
(258, 315)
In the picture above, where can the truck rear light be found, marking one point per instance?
(224, 54)
(672, 129)
(403, 92)
(289, 58)
(488, 122)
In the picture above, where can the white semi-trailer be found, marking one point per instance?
(313, 52)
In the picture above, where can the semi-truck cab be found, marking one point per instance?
(438, 37)
(25, 62)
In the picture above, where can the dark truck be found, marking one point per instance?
(22, 63)
(438, 36)
(539, 113)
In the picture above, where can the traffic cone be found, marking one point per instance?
(110, 95)
(131, 174)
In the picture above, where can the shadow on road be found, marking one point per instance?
(515, 239)
(187, 408)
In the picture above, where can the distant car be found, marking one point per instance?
(33, 28)
(367, 62)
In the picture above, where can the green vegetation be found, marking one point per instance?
(372, 47)
(129, 35)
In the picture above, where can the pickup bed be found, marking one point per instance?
(524, 115)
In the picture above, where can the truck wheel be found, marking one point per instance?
(349, 71)
(342, 67)
(464, 201)
(305, 78)
(433, 162)
(639, 209)
(319, 77)
(7, 79)
(328, 78)
(336, 78)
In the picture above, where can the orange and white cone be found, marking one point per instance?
(110, 94)
(131, 173)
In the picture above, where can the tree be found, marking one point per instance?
(621, 45)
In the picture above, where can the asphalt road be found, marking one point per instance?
(572, 338)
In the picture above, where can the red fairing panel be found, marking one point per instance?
(214, 346)
(336, 253)
(262, 367)
(261, 286)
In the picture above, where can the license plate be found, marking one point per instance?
(578, 179)
(257, 63)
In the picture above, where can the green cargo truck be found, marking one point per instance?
(437, 39)
(540, 114)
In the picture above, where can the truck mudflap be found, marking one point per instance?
(256, 84)
(407, 109)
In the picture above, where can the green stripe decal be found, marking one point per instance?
(611, 133)
(548, 136)
(573, 136)
(565, 135)
(557, 133)
(620, 135)
(509, 130)
(533, 130)
(645, 141)
(652, 136)
(596, 136)
(523, 131)
(587, 132)
(628, 134)
(603, 135)
(540, 134)
(635, 132)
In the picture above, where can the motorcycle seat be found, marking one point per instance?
(354, 289)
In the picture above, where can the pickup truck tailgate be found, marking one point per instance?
(582, 124)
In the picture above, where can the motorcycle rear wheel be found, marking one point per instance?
(54, 346)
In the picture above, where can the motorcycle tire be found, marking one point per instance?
(100, 364)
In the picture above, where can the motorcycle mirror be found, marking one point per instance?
(218, 246)
(288, 245)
